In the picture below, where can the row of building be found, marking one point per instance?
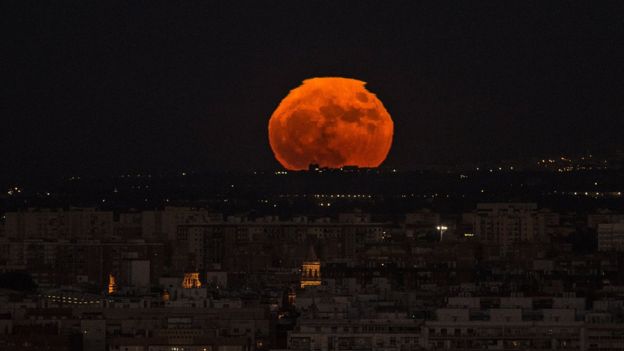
(315, 313)
(503, 223)
(501, 277)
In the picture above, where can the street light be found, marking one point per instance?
(441, 229)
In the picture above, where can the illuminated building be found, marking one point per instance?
(112, 285)
(191, 280)
(311, 270)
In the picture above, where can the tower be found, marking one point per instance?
(311, 270)
(112, 285)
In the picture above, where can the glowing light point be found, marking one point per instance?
(442, 229)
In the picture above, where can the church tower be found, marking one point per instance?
(311, 270)
(112, 284)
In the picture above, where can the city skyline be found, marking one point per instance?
(194, 87)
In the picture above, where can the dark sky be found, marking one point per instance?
(118, 87)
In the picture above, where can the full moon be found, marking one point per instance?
(332, 122)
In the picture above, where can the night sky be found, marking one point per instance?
(116, 87)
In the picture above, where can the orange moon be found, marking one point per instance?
(332, 122)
